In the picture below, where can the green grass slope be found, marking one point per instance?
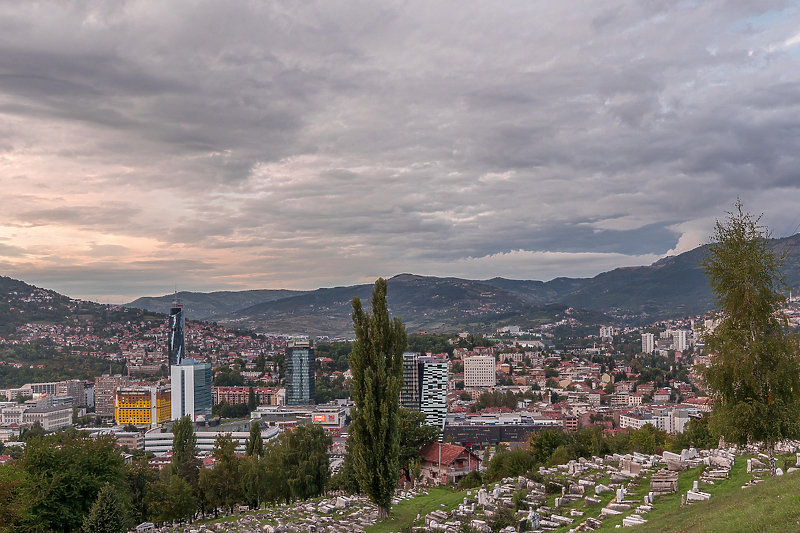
(771, 506)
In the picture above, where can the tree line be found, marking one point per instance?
(76, 482)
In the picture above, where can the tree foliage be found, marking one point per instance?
(755, 374)
(222, 485)
(106, 514)
(255, 443)
(62, 480)
(377, 366)
(185, 463)
(414, 434)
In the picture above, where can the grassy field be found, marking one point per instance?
(405, 513)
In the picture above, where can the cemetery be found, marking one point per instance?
(601, 493)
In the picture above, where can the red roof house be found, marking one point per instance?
(441, 462)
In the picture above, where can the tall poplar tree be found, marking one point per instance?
(185, 463)
(754, 375)
(255, 444)
(377, 366)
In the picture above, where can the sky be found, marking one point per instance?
(152, 146)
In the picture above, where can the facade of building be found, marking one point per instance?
(442, 463)
(606, 332)
(234, 395)
(51, 388)
(191, 390)
(142, 405)
(681, 340)
(433, 390)
(480, 371)
(300, 369)
(12, 415)
(104, 388)
(50, 418)
(409, 395)
(176, 343)
(160, 442)
(73, 388)
(648, 343)
(133, 441)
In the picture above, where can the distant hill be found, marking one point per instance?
(424, 303)
(206, 306)
(669, 288)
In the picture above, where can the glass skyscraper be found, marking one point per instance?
(176, 349)
(300, 367)
(425, 387)
(409, 394)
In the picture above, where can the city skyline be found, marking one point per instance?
(146, 148)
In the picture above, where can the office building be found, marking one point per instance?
(191, 390)
(300, 368)
(433, 390)
(480, 372)
(142, 405)
(176, 349)
(648, 343)
(104, 388)
(409, 394)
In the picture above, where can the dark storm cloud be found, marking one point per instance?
(329, 141)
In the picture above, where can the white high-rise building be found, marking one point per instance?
(191, 390)
(680, 339)
(648, 343)
(433, 390)
(480, 371)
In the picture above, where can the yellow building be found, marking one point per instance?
(142, 405)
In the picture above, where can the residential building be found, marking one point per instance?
(142, 405)
(681, 339)
(648, 343)
(191, 390)
(234, 395)
(661, 395)
(443, 463)
(480, 371)
(104, 388)
(73, 388)
(300, 368)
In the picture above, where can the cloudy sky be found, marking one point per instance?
(146, 146)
